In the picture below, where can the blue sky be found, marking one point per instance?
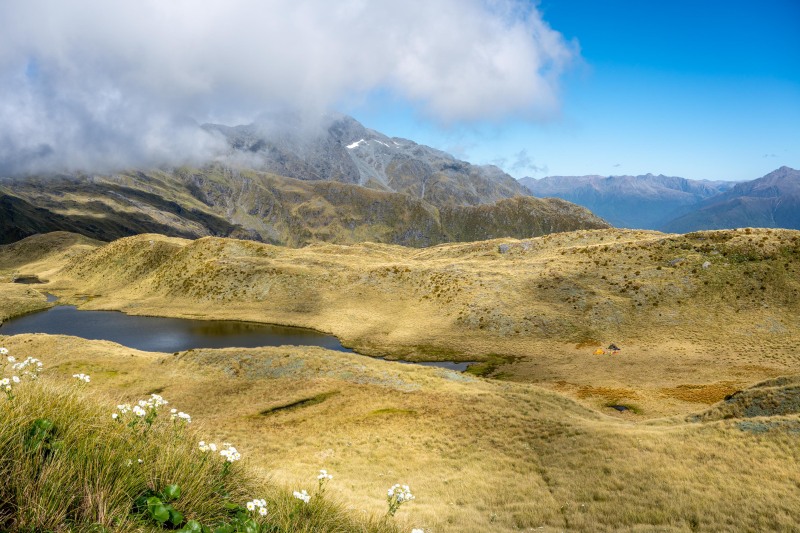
(698, 89)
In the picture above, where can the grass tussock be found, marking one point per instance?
(66, 465)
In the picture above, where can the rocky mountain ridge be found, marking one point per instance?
(342, 149)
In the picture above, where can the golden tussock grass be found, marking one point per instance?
(482, 455)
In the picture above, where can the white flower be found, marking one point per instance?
(260, 505)
(4, 382)
(324, 475)
(182, 416)
(173, 411)
(207, 447)
(417, 531)
(302, 495)
(230, 454)
(156, 401)
(4, 351)
(140, 461)
(138, 411)
(115, 415)
(12, 359)
(81, 377)
(15, 379)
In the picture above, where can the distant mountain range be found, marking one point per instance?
(772, 201)
(680, 205)
(284, 182)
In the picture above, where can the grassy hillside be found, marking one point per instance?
(221, 201)
(690, 427)
(479, 455)
(68, 465)
(532, 310)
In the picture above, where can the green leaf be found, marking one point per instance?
(171, 492)
(233, 507)
(39, 432)
(193, 525)
(225, 528)
(249, 526)
(175, 516)
(158, 511)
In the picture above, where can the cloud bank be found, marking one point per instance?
(99, 85)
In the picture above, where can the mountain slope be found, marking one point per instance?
(221, 201)
(643, 202)
(772, 201)
(342, 149)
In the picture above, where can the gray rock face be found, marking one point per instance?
(341, 149)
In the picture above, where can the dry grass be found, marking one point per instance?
(88, 470)
(532, 310)
(483, 455)
(480, 455)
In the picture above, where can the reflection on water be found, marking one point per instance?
(158, 334)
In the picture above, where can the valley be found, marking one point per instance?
(541, 433)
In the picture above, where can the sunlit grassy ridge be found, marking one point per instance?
(66, 465)
(699, 317)
(532, 310)
(480, 455)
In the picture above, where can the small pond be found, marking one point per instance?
(169, 335)
(160, 334)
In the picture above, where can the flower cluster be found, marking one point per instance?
(322, 479)
(415, 530)
(29, 368)
(144, 411)
(302, 495)
(81, 377)
(180, 415)
(396, 496)
(34, 364)
(210, 447)
(259, 506)
(229, 453)
(5, 383)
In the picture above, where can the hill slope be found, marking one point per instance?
(222, 201)
(532, 310)
(644, 202)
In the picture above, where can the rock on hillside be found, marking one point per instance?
(339, 148)
(772, 201)
(644, 202)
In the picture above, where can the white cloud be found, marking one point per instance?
(93, 83)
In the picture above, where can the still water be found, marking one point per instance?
(158, 334)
